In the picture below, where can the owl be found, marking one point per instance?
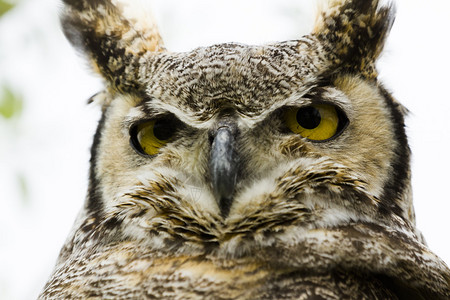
(233, 171)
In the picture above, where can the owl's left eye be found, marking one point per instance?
(316, 122)
(148, 137)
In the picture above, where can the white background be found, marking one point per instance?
(49, 144)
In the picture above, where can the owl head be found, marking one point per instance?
(286, 156)
(207, 146)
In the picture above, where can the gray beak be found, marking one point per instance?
(223, 166)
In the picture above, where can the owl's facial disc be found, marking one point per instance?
(223, 165)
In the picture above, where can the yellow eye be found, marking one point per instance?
(148, 137)
(316, 122)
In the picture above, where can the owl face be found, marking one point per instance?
(244, 172)
(204, 148)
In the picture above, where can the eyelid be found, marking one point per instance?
(342, 106)
(137, 116)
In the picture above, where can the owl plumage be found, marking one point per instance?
(211, 177)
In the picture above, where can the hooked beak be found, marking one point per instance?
(223, 165)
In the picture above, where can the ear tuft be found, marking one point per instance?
(354, 32)
(114, 35)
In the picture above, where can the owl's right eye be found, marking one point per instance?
(147, 138)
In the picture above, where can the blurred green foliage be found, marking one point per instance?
(23, 187)
(5, 6)
(11, 104)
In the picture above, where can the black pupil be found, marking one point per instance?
(163, 130)
(308, 117)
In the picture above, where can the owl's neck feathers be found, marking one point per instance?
(276, 237)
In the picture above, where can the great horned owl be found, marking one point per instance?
(245, 172)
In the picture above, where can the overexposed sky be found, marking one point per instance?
(49, 145)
